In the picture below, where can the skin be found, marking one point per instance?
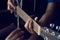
(28, 25)
(48, 15)
(16, 34)
(45, 19)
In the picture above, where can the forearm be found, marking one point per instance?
(48, 15)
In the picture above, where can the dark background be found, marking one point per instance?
(7, 18)
(28, 7)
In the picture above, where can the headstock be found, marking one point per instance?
(49, 34)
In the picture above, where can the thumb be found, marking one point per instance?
(36, 19)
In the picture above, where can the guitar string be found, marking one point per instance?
(33, 20)
(17, 14)
(34, 11)
(48, 33)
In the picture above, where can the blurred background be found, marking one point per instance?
(7, 18)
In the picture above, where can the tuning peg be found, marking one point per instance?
(46, 38)
(57, 27)
(53, 33)
(47, 30)
(58, 37)
(52, 25)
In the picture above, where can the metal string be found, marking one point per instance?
(20, 5)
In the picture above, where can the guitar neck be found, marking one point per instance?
(37, 28)
(25, 17)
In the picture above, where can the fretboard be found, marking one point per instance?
(25, 17)
(37, 28)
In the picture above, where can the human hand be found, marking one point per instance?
(29, 25)
(16, 34)
(11, 6)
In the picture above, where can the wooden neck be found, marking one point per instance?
(25, 17)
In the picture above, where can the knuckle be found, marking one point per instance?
(7, 38)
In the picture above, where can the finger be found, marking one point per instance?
(36, 18)
(31, 26)
(17, 35)
(10, 4)
(13, 33)
(20, 38)
(11, 8)
(27, 24)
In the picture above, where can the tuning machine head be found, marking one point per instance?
(58, 37)
(53, 33)
(52, 25)
(46, 38)
(47, 30)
